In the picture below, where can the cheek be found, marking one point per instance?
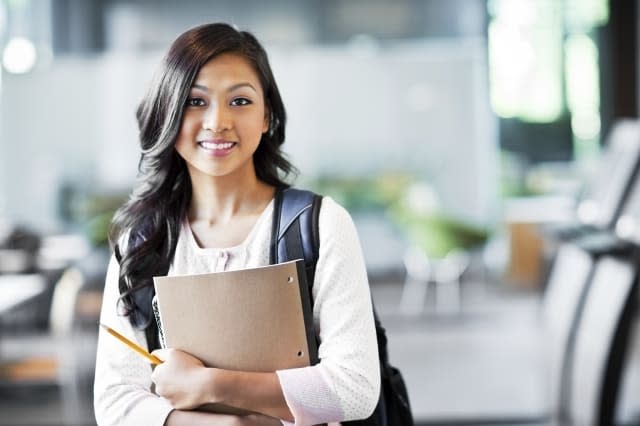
(190, 123)
(188, 128)
(258, 123)
(183, 139)
(180, 148)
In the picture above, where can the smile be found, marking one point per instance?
(216, 146)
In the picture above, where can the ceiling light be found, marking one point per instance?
(19, 55)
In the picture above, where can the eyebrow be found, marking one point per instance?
(230, 89)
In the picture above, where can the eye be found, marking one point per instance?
(241, 102)
(196, 102)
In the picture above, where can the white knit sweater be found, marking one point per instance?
(345, 384)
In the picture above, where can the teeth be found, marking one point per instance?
(209, 145)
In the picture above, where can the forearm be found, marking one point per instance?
(195, 418)
(186, 383)
(259, 392)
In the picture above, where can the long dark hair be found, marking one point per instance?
(145, 229)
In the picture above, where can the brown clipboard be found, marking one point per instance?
(257, 319)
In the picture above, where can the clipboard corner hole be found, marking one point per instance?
(289, 279)
(300, 353)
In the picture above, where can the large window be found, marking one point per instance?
(545, 76)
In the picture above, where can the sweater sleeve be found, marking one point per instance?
(122, 387)
(345, 385)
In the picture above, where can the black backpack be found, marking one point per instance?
(294, 236)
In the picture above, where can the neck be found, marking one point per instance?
(218, 199)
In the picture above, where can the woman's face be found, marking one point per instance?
(223, 119)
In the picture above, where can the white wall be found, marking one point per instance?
(73, 121)
(420, 107)
(49, 131)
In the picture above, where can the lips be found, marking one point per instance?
(217, 146)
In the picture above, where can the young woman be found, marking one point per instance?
(211, 130)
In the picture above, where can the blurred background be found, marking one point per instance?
(487, 150)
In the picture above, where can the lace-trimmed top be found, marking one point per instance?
(343, 386)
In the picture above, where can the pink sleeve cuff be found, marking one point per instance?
(308, 396)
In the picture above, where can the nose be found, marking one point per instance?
(216, 118)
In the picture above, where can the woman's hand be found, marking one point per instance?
(187, 384)
(181, 378)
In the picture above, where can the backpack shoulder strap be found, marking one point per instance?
(295, 233)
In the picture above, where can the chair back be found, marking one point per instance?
(627, 225)
(568, 280)
(601, 341)
(63, 303)
(604, 195)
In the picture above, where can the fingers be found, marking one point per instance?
(179, 378)
(163, 354)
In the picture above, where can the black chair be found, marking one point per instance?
(586, 312)
(589, 371)
(568, 282)
(600, 343)
(627, 225)
(599, 205)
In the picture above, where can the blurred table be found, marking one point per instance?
(523, 218)
(17, 289)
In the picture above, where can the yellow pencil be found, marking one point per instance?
(154, 359)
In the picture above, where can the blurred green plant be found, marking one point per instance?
(362, 193)
(419, 216)
(435, 233)
(93, 213)
(410, 204)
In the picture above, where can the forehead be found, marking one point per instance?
(225, 70)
